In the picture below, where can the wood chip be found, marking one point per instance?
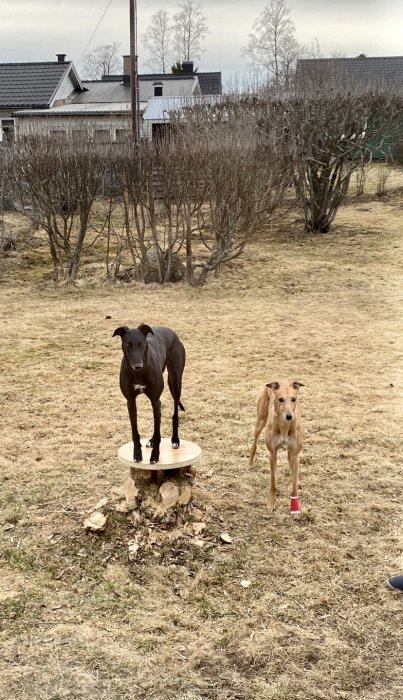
(133, 549)
(131, 493)
(99, 505)
(226, 538)
(185, 496)
(198, 528)
(245, 583)
(169, 493)
(96, 522)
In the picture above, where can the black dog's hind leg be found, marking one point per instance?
(175, 386)
(132, 408)
(156, 438)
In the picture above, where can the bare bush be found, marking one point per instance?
(332, 133)
(192, 199)
(237, 178)
(57, 181)
(381, 186)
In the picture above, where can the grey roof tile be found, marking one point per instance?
(362, 71)
(30, 85)
(210, 83)
(107, 91)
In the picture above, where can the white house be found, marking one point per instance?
(102, 108)
(29, 86)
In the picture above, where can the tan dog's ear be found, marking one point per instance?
(296, 385)
(273, 385)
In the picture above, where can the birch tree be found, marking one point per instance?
(157, 40)
(104, 60)
(189, 30)
(272, 44)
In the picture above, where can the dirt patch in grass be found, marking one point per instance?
(79, 616)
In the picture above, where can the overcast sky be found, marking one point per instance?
(35, 30)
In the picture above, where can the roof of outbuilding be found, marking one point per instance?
(210, 83)
(181, 87)
(362, 71)
(105, 91)
(159, 108)
(32, 85)
(102, 91)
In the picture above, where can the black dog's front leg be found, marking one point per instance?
(175, 428)
(132, 408)
(156, 438)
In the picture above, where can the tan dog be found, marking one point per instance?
(279, 413)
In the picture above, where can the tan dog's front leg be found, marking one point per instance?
(271, 502)
(293, 461)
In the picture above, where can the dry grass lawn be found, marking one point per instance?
(79, 617)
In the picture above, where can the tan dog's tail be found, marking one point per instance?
(262, 411)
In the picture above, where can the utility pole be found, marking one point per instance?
(133, 70)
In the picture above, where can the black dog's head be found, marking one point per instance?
(134, 345)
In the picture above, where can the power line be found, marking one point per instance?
(95, 31)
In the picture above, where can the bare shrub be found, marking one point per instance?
(199, 193)
(361, 176)
(57, 181)
(333, 133)
(234, 178)
(381, 185)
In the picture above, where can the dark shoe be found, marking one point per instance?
(395, 583)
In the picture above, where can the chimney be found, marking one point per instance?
(187, 66)
(126, 69)
(61, 57)
(126, 65)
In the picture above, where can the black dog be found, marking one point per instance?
(146, 353)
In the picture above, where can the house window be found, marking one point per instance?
(7, 130)
(158, 89)
(102, 135)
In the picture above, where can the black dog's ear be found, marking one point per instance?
(296, 385)
(273, 385)
(120, 331)
(145, 329)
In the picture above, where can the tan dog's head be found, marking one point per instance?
(285, 398)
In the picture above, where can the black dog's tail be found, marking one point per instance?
(181, 406)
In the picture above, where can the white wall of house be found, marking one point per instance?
(102, 128)
(65, 90)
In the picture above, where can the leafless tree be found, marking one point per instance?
(239, 177)
(59, 179)
(157, 40)
(313, 50)
(272, 44)
(189, 30)
(331, 133)
(104, 60)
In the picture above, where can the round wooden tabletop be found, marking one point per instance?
(187, 453)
